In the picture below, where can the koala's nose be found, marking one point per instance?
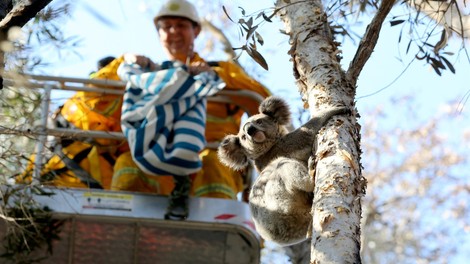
(250, 129)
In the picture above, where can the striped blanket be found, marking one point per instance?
(163, 117)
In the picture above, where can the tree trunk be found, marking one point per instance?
(339, 184)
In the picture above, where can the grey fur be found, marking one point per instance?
(281, 197)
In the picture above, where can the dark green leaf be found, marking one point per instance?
(249, 23)
(408, 47)
(396, 22)
(225, 11)
(250, 32)
(449, 65)
(436, 69)
(258, 58)
(266, 18)
(259, 38)
(243, 10)
(438, 63)
(427, 44)
(243, 23)
(241, 31)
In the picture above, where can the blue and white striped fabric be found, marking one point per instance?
(163, 117)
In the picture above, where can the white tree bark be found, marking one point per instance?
(323, 84)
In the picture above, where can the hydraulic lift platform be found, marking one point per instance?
(102, 226)
(126, 227)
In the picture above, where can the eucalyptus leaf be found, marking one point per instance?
(258, 58)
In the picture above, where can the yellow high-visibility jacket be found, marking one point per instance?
(88, 111)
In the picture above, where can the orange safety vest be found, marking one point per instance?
(88, 111)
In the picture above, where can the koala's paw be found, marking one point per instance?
(231, 154)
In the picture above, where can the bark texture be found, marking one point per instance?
(339, 182)
(20, 13)
(16, 14)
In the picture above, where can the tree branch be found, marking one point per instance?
(22, 13)
(368, 41)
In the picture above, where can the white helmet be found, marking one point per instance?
(179, 8)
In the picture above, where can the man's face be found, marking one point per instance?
(177, 36)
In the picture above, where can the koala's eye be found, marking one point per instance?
(259, 121)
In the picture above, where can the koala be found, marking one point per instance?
(281, 197)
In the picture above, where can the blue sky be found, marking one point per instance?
(131, 30)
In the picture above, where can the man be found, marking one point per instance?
(178, 25)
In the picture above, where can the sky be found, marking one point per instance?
(129, 28)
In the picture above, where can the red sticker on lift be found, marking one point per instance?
(224, 216)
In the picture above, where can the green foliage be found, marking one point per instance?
(248, 26)
(429, 42)
(29, 227)
(426, 31)
(18, 110)
(43, 34)
(19, 107)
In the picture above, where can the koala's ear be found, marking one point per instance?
(276, 108)
(230, 153)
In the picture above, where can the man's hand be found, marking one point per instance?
(198, 67)
(143, 61)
